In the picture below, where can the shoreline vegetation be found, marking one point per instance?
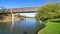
(50, 13)
(9, 18)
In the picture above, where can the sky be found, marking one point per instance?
(24, 3)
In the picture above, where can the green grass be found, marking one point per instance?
(51, 28)
(56, 19)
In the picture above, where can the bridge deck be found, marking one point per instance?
(22, 10)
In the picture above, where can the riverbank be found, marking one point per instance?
(51, 27)
(9, 19)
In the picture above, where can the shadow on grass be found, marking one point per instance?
(56, 21)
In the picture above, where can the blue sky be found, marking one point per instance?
(23, 3)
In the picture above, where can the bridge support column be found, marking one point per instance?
(12, 20)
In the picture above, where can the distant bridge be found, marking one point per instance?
(22, 10)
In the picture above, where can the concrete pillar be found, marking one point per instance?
(12, 18)
(12, 21)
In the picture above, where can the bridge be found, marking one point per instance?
(20, 10)
(24, 10)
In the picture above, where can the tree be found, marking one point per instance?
(48, 11)
(3, 12)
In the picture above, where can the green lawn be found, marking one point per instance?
(56, 19)
(51, 28)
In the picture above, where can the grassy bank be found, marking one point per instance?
(51, 28)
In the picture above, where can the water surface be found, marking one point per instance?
(27, 26)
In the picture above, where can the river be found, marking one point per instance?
(27, 26)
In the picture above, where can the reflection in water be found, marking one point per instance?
(12, 21)
(12, 25)
(4, 28)
(3, 25)
(28, 26)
